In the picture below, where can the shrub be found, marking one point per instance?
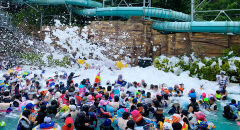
(206, 68)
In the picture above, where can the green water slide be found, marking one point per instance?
(208, 26)
(135, 11)
(83, 3)
(184, 24)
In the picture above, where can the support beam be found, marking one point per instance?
(217, 10)
(192, 10)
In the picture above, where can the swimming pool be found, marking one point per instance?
(220, 122)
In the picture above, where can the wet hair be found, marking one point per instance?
(109, 88)
(72, 102)
(106, 95)
(61, 85)
(85, 108)
(86, 94)
(159, 98)
(130, 124)
(155, 86)
(18, 96)
(63, 91)
(69, 125)
(6, 93)
(224, 98)
(54, 102)
(26, 113)
(218, 92)
(43, 108)
(116, 98)
(156, 103)
(133, 107)
(165, 96)
(37, 83)
(144, 85)
(177, 126)
(125, 115)
(80, 120)
(233, 101)
(148, 95)
(151, 86)
(57, 85)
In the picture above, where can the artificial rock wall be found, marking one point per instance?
(137, 38)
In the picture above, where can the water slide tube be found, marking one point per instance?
(208, 26)
(135, 11)
(185, 26)
(83, 3)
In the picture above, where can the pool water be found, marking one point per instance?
(216, 117)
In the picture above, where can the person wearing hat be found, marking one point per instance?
(73, 111)
(138, 118)
(212, 104)
(107, 125)
(47, 123)
(68, 124)
(103, 109)
(192, 93)
(175, 108)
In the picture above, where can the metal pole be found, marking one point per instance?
(41, 21)
(192, 10)
(70, 22)
(103, 3)
(70, 13)
(144, 1)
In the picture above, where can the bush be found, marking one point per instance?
(206, 68)
(37, 59)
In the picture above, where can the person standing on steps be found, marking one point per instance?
(223, 82)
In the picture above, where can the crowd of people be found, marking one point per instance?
(119, 105)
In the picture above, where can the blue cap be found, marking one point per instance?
(29, 106)
(134, 100)
(107, 122)
(76, 84)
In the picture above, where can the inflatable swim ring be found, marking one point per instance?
(55, 127)
(2, 124)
